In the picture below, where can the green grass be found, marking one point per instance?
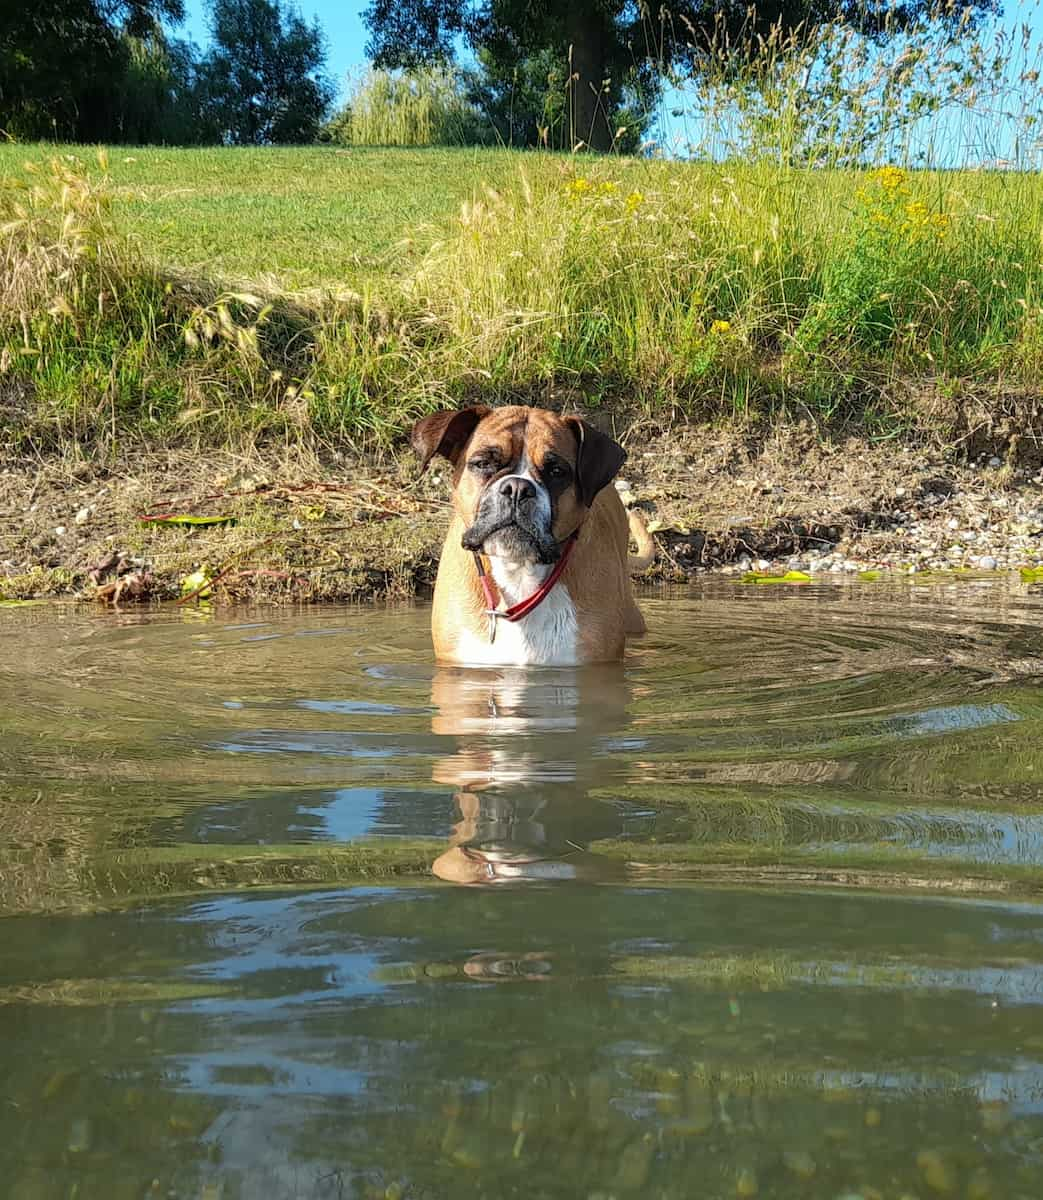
(219, 296)
(307, 216)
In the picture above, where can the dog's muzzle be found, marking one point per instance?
(519, 508)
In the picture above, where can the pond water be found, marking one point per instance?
(288, 911)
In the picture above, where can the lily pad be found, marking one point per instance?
(1032, 574)
(185, 519)
(789, 577)
(870, 576)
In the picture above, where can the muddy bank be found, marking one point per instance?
(303, 527)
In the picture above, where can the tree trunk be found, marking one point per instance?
(588, 113)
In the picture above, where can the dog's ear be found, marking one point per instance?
(445, 433)
(597, 461)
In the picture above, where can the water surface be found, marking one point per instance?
(286, 910)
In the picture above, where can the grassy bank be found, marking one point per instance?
(217, 297)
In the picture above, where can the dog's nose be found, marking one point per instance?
(516, 489)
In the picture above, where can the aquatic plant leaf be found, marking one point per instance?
(197, 583)
(185, 519)
(870, 576)
(789, 577)
(1032, 574)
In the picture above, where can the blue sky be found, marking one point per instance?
(341, 22)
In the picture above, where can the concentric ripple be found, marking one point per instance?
(709, 943)
(885, 729)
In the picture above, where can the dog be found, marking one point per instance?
(535, 569)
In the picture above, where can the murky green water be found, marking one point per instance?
(754, 916)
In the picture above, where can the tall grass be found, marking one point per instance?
(810, 265)
(931, 95)
(426, 107)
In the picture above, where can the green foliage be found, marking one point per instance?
(262, 81)
(90, 71)
(426, 107)
(157, 101)
(612, 56)
(63, 63)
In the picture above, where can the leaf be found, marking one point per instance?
(870, 576)
(19, 603)
(658, 526)
(313, 513)
(789, 577)
(198, 583)
(1032, 574)
(185, 519)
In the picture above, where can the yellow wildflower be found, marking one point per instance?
(889, 178)
(634, 201)
(608, 188)
(578, 187)
(720, 326)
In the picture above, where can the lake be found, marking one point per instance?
(286, 910)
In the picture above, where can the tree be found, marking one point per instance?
(62, 63)
(262, 82)
(612, 50)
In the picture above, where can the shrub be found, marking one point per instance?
(419, 108)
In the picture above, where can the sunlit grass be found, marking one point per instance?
(303, 216)
(222, 295)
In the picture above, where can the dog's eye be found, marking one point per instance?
(555, 469)
(484, 466)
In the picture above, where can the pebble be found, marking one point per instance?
(937, 1173)
(995, 1116)
(59, 530)
(700, 1106)
(979, 1186)
(987, 563)
(746, 1183)
(80, 1136)
(83, 516)
(634, 1164)
(800, 1163)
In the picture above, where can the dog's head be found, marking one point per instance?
(524, 477)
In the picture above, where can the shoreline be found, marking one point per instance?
(291, 525)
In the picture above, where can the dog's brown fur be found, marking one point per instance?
(596, 576)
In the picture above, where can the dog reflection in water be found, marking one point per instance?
(529, 754)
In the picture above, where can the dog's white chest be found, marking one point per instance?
(547, 637)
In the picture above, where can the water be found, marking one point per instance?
(754, 915)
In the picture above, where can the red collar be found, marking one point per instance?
(526, 606)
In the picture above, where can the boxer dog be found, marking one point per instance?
(535, 570)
